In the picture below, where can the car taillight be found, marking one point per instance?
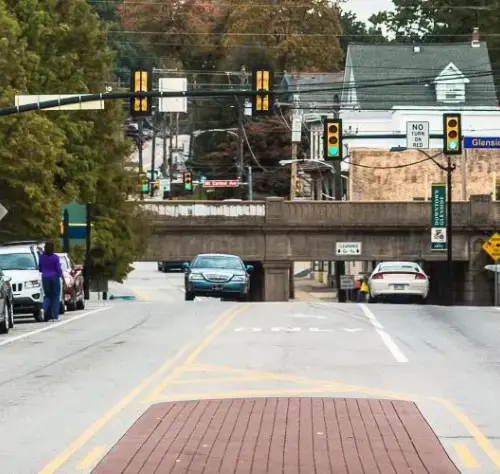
(378, 276)
(420, 276)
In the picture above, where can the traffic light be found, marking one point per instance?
(141, 82)
(262, 80)
(61, 229)
(188, 182)
(143, 182)
(298, 185)
(332, 139)
(452, 134)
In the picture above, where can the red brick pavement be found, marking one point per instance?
(278, 435)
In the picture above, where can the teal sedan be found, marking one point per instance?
(217, 275)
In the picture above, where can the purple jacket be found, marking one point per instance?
(50, 265)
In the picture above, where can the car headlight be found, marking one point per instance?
(32, 284)
(195, 276)
(239, 278)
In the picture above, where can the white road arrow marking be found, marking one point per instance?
(310, 316)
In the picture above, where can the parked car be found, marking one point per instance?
(19, 260)
(74, 296)
(167, 265)
(398, 279)
(217, 275)
(6, 304)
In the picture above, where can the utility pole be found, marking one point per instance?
(296, 137)
(241, 136)
(140, 142)
(153, 156)
(164, 161)
(250, 184)
(449, 229)
(170, 151)
(339, 266)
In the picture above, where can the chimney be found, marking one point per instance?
(475, 37)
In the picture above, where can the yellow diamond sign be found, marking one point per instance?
(492, 246)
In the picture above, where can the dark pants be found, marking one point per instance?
(361, 296)
(52, 290)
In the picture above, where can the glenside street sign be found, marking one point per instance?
(3, 212)
(439, 239)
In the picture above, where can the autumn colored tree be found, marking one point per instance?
(293, 34)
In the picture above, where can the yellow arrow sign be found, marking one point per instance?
(492, 246)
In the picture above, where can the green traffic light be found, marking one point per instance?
(333, 151)
(452, 145)
(188, 187)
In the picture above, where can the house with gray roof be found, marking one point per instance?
(381, 77)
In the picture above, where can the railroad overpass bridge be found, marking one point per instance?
(275, 232)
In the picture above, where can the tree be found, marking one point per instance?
(296, 34)
(270, 142)
(438, 21)
(356, 31)
(29, 147)
(69, 44)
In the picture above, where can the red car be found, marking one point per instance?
(74, 297)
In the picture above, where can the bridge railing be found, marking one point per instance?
(206, 209)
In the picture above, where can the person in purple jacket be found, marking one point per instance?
(50, 266)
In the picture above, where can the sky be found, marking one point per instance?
(364, 9)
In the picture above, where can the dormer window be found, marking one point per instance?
(450, 85)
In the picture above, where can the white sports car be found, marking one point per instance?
(391, 279)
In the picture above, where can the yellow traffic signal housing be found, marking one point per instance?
(298, 185)
(141, 82)
(452, 134)
(332, 139)
(61, 228)
(188, 182)
(262, 80)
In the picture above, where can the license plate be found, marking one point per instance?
(216, 287)
(399, 287)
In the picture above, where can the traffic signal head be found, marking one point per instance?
(262, 80)
(298, 185)
(61, 228)
(188, 182)
(452, 134)
(141, 82)
(332, 139)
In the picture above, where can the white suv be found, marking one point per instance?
(19, 260)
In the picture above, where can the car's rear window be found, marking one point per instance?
(399, 268)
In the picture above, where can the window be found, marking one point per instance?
(222, 262)
(64, 263)
(18, 261)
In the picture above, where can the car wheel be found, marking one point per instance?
(11, 315)
(62, 307)
(71, 306)
(5, 324)
(39, 315)
(80, 304)
(188, 296)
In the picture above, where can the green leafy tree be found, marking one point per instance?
(69, 43)
(355, 31)
(30, 147)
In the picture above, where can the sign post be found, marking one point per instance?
(439, 239)
(417, 135)
(492, 248)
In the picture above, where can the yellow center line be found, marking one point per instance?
(88, 461)
(466, 457)
(95, 427)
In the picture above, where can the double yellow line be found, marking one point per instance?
(214, 329)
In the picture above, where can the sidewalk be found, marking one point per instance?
(307, 289)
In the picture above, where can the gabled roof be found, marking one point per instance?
(451, 72)
(382, 73)
(309, 81)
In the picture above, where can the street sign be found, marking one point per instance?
(3, 212)
(173, 104)
(347, 282)
(481, 142)
(348, 248)
(221, 183)
(439, 238)
(492, 246)
(493, 268)
(33, 99)
(417, 135)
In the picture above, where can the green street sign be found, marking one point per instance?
(438, 217)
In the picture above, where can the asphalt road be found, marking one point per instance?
(69, 390)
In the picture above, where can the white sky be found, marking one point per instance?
(364, 9)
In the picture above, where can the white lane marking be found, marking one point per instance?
(311, 316)
(386, 338)
(295, 329)
(51, 325)
(352, 330)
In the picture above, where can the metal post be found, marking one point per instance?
(66, 231)
(339, 266)
(153, 156)
(241, 136)
(449, 227)
(171, 149)
(250, 184)
(293, 171)
(164, 142)
(88, 256)
(496, 285)
(139, 145)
